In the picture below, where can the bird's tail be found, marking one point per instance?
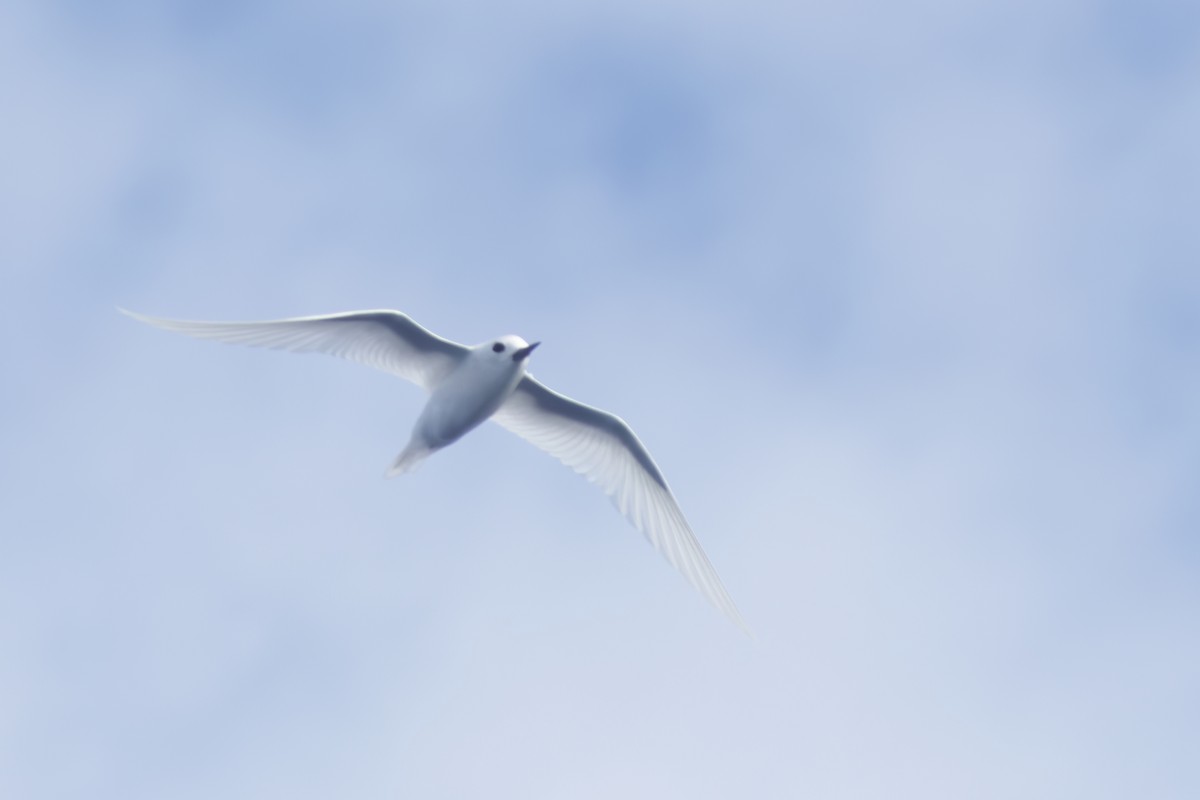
(410, 458)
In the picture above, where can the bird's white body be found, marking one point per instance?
(464, 399)
(468, 385)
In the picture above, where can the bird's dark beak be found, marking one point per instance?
(524, 352)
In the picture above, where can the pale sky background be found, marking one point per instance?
(904, 299)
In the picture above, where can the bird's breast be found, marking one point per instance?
(462, 402)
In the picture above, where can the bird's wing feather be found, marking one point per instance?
(604, 449)
(386, 340)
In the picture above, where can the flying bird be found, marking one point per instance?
(468, 385)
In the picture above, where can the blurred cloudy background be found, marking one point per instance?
(904, 298)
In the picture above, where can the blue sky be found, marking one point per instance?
(903, 299)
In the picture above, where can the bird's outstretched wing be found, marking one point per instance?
(386, 340)
(603, 448)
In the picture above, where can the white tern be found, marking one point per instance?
(468, 385)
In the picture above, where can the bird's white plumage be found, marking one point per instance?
(386, 340)
(595, 443)
(604, 449)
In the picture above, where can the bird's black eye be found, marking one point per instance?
(497, 348)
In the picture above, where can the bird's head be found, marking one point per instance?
(507, 350)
